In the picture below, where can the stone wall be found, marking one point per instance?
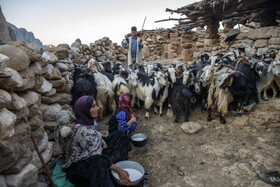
(34, 86)
(188, 45)
(101, 50)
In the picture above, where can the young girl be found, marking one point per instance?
(123, 119)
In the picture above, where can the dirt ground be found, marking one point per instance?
(218, 156)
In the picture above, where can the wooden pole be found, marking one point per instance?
(144, 22)
(43, 162)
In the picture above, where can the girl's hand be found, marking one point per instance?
(132, 120)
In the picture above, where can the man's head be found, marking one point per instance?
(134, 31)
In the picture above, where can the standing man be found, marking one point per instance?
(134, 46)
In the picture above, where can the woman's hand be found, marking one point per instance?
(123, 175)
(104, 144)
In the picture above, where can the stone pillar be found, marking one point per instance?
(212, 29)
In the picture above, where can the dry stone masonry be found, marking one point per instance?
(34, 86)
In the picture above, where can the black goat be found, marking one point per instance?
(181, 100)
(84, 84)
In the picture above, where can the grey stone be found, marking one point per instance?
(46, 86)
(61, 66)
(46, 154)
(26, 177)
(21, 163)
(261, 43)
(12, 83)
(30, 97)
(18, 58)
(3, 62)
(2, 181)
(42, 145)
(17, 102)
(5, 99)
(7, 122)
(232, 34)
(52, 110)
(264, 33)
(49, 57)
(191, 127)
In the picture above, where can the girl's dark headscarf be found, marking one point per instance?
(82, 110)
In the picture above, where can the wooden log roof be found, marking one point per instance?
(266, 12)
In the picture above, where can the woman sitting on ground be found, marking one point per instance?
(89, 157)
(123, 119)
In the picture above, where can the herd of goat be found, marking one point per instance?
(223, 82)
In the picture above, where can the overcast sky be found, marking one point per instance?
(63, 21)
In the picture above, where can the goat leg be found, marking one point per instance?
(222, 119)
(187, 116)
(155, 109)
(160, 110)
(203, 103)
(147, 115)
(209, 117)
(177, 117)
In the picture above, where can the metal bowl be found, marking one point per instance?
(139, 140)
(135, 170)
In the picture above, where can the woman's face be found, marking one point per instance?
(94, 110)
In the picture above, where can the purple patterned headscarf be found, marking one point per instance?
(82, 110)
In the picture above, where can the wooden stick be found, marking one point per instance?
(42, 161)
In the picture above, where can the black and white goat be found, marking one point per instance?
(147, 88)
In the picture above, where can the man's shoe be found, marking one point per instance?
(272, 178)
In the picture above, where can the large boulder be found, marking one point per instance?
(49, 57)
(3, 62)
(62, 66)
(17, 102)
(36, 122)
(5, 99)
(7, 122)
(18, 58)
(14, 149)
(35, 110)
(14, 82)
(28, 77)
(33, 56)
(35, 48)
(264, 33)
(21, 163)
(45, 87)
(58, 83)
(27, 176)
(61, 51)
(52, 110)
(46, 154)
(30, 97)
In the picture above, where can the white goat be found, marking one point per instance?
(105, 94)
(267, 78)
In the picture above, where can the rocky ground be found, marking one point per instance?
(218, 155)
